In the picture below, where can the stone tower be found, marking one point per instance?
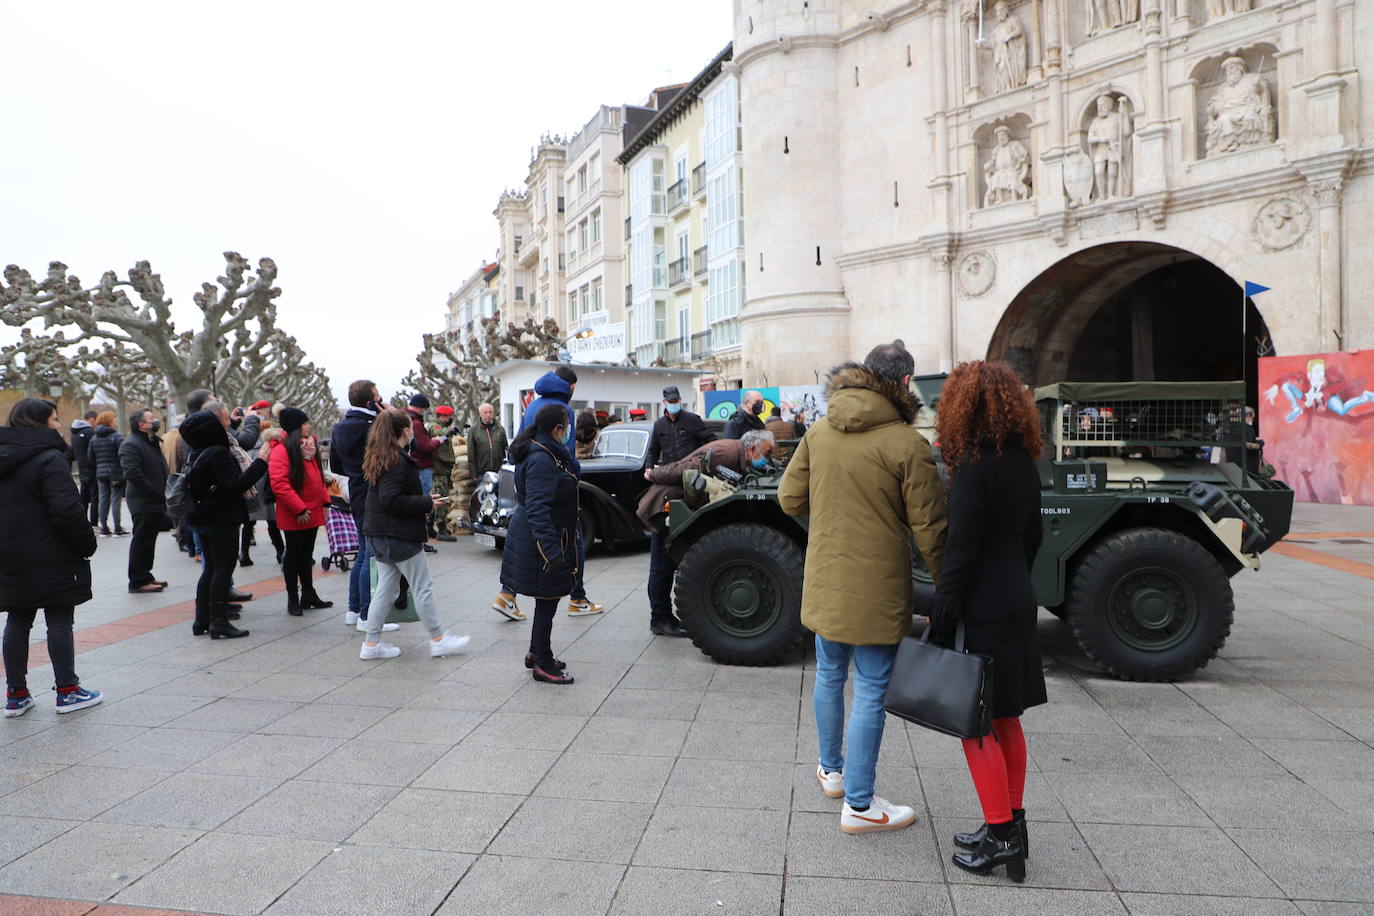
(795, 322)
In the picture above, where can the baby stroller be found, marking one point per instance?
(342, 533)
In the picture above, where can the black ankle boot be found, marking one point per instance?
(293, 601)
(245, 559)
(311, 601)
(972, 840)
(221, 628)
(401, 600)
(1000, 846)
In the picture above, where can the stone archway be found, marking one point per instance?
(1130, 311)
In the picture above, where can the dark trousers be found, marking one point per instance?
(661, 571)
(90, 497)
(541, 633)
(111, 497)
(142, 547)
(579, 591)
(61, 649)
(300, 559)
(246, 538)
(219, 545)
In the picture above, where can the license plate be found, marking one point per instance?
(486, 540)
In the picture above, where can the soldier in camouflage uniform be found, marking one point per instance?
(444, 460)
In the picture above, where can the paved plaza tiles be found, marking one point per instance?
(280, 774)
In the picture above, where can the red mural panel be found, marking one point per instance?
(1316, 417)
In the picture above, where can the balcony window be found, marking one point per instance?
(699, 261)
(595, 222)
(677, 195)
(699, 179)
(520, 294)
(560, 203)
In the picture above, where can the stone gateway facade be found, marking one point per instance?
(1078, 187)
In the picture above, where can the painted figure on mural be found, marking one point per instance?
(1327, 389)
(1103, 15)
(1007, 172)
(1008, 48)
(1240, 114)
(1109, 137)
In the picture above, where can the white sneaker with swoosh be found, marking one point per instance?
(881, 815)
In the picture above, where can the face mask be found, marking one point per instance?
(675, 409)
(757, 408)
(760, 464)
(157, 424)
(567, 436)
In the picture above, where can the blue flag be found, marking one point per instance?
(1254, 289)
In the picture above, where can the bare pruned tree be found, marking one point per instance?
(238, 315)
(453, 366)
(35, 359)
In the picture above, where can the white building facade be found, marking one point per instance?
(1080, 190)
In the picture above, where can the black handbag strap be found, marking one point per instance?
(958, 635)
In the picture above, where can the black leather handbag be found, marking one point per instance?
(947, 690)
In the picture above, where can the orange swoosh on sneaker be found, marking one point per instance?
(872, 820)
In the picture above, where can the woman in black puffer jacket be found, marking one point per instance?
(217, 484)
(109, 478)
(540, 558)
(45, 541)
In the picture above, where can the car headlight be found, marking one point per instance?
(489, 505)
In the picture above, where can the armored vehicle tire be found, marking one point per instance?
(738, 594)
(1150, 604)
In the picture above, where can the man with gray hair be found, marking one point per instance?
(866, 480)
(752, 452)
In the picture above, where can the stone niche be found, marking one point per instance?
(1208, 11)
(1100, 18)
(1106, 138)
(1009, 56)
(1236, 101)
(1005, 167)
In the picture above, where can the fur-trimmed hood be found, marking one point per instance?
(859, 400)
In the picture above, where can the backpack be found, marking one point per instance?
(181, 502)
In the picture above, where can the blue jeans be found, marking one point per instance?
(359, 581)
(872, 671)
(427, 480)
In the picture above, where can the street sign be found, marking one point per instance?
(606, 345)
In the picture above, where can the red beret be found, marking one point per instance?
(261, 405)
(637, 411)
(444, 411)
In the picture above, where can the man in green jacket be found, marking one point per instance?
(867, 481)
(487, 443)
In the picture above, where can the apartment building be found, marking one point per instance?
(532, 260)
(594, 200)
(683, 230)
(479, 297)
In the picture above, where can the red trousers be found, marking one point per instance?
(998, 769)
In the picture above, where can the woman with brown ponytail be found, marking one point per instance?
(989, 436)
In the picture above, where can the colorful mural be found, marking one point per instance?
(804, 402)
(1316, 417)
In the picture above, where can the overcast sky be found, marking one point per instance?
(360, 145)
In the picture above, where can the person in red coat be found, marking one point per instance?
(297, 478)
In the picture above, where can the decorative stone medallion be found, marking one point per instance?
(977, 271)
(1281, 223)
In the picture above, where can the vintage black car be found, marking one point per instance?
(612, 483)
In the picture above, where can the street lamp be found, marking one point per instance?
(55, 388)
(582, 333)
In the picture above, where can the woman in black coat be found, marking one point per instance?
(45, 540)
(989, 438)
(216, 484)
(540, 558)
(396, 528)
(108, 476)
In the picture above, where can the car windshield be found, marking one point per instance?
(621, 443)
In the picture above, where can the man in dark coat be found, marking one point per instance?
(738, 455)
(145, 486)
(487, 443)
(82, 433)
(348, 443)
(677, 433)
(45, 541)
(749, 416)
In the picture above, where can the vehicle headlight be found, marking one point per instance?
(489, 505)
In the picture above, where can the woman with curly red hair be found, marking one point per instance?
(989, 436)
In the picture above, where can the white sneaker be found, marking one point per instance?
(447, 645)
(832, 784)
(386, 627)
(506, 607)
(381, 650)
(583, 607)
(350, 618)
(881, 815)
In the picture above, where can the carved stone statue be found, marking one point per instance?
(1129, 10)
(1007, 171)
(1008, 48)
(1240, 113)
(1109, 138)
(1218, 8)
(1102, 15)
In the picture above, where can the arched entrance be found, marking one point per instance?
(1131, 311)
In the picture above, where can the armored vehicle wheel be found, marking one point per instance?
(1150, 604)
(738, 593)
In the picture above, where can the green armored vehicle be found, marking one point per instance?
(1143, 531)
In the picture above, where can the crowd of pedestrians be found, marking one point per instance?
(864, 477)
